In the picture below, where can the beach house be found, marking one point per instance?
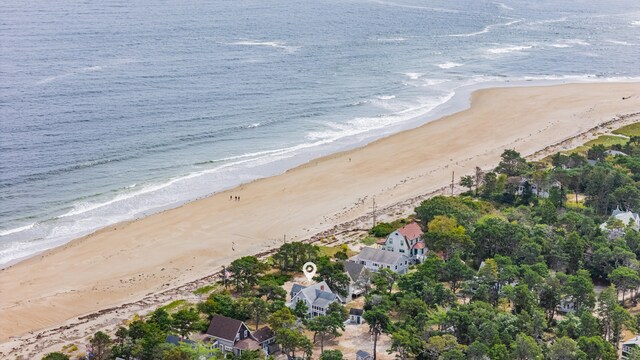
(316, 297)
(533, 188)
(624, 219)
(408, 241)
(376, 259)
(233, 336)
(359, 279)
(628, 347)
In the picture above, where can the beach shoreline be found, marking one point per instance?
(310, 199)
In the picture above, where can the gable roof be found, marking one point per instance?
(361, 354)
(263, 334)
(633, 341)
(380, 256)
(224, 327)
(296, 289)
(247, 344)
(356, 311)
(353, 269)
(411, 231)
(319, 294)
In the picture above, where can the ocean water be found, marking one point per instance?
(113, 110)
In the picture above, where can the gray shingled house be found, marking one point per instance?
(317, 297)
(376, 259)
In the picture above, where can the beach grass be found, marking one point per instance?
(175, 305)
(369, 240)
(204, 290)
(629, 130)
(606, 140)
(331, 251)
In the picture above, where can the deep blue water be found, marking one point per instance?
(115, 109)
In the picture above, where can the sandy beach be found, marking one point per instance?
(128, 261)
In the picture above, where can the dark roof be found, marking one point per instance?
(224, 328)
(353, 269)
(361, 354)
(247, 344)
(355, 311)
(263, 334)
(175, 340)
(296, 289)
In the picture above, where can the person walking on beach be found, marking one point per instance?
(233, 246)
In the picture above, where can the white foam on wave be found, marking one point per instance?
(449, 65)
(503, 6)
(635, 23)
(361, 125)
(85, 70)
(417, 7)
(619, 42)
(273, 44)
(486, 29)
(508, 49)
(414, 75)
(548, 21)
(17, 230)
(567, 43)
(386, 97)
(391, 39)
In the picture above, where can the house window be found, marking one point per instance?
(396, 267)
(245, 333)
(388, 267)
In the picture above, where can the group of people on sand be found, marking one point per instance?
(234, 198)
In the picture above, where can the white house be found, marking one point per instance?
(615, 153)
(317, 297)
(628, 346)
(376, 259)
(355, 316)
(408, 241)
(628, 218)
(567, 306)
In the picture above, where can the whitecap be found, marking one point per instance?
(436, 9)
(509, 49)
(503, 6)
(386, 97)
(413, 75)
(635, 23)
(449, 65)
(618, 42)
(486, 29)
(391, 39)
(274, 44)
(548, 21)
(17, 230)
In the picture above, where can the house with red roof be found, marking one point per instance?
(407, 241)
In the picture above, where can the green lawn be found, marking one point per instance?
(175, 305)
(204, 290)
(606, 140)
(629, 130)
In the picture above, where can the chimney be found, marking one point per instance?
(322, 287)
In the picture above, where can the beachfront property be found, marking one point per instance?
(408, 241)
(233, 336)
(628, 346)
(358, 279)
(317, 297)
(615, 153)
(567, 306)
(535, 189)
(376, 259)
(627, 218)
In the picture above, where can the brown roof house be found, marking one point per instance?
(233, 336)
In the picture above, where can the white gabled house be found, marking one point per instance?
(317, 297)
(629, 220)
(376, 259)
(408, 241)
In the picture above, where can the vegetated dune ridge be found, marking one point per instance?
(133, 266)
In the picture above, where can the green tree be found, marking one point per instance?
(291, 340)
(331, 355)
(525, 348)
(246, 271)
(624, 278)
(257, 309)
(100, 346)
(437, 346)
(282, 318)
(301, 309)
(455, 271)
(467, 181)
(161, 317)
(55, 356)
(444, 234)
(334, 275)
(405, 343)
(218, 304)
(463, 210)
(564, 348)
(512, 163)
(184, 321)
(597, 348)
(324, 325)
(379, 323)
(384, 279)
(580, 289)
